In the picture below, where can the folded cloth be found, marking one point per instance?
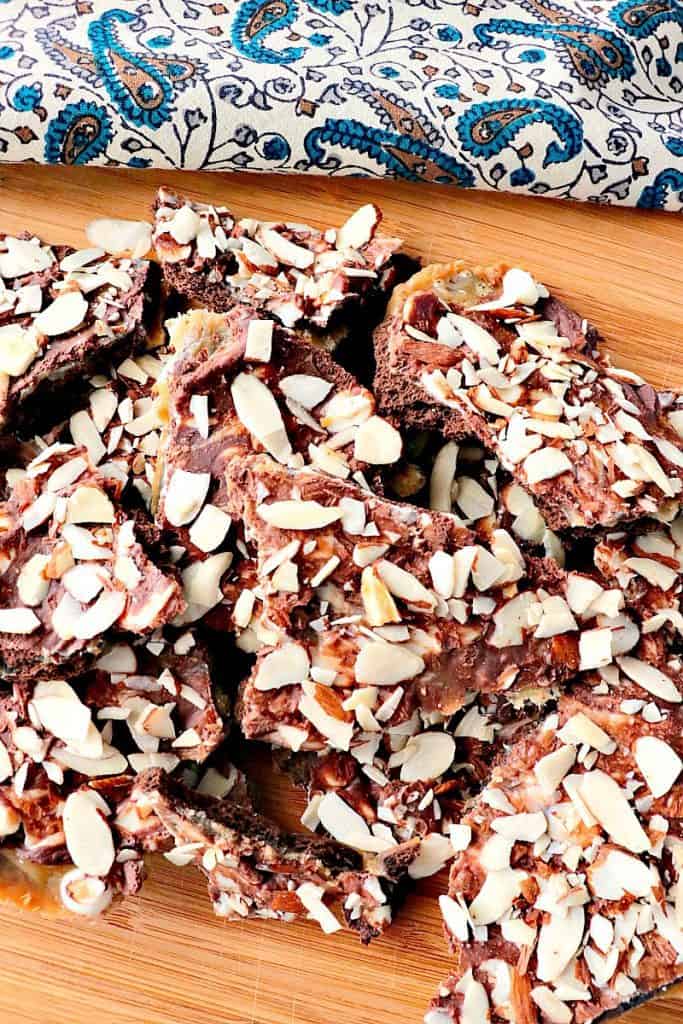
(576, 99)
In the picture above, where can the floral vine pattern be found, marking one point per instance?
(566, 99)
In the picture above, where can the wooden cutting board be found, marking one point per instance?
(162, 958)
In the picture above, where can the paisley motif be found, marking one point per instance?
(401, 155)
(575, 99)
(78, 135)
(595, 55)
(255, 20)
(640, 18)
(141, 86)
(489, 128)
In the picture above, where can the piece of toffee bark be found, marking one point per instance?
(487, 352)
(320, 282)
(566, 900)
(73, 568)
(253, 868)
(64, 313)
(238, 384)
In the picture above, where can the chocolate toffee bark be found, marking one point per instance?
(373, 623)
(565, 900)
(73, 568)
(64, 313)
(323, 283)
(488, 353)
(253, 868)
(239, 384)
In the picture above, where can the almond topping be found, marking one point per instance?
(259, 340)
(359, 228)
(298, 515)
(260, 414)
(545, 464)
(606, 800)
(382, 664)
(658, 763)
(429, 755)
(64, 314)
(88, 836)
(377, 601)
(377, 442)
(650, 678)
(185, 495)
(18, 620)
(285, 666)
(120, 237)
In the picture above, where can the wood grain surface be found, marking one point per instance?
(162, 958)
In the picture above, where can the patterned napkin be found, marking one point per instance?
(578, 99)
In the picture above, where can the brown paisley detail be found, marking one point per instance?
(547, 12)
(79, 137)
(75, 55)
(133, 78)
(403, 121)
(426, 169)
(482, 133)
(635, 16)
(605, 52)
(264, 17)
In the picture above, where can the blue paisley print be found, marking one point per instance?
(561, 98)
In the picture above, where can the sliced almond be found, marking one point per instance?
(546, 464)
(185, 495)
(656, 573)
(108, 607)
(201, 582)
(259, 344)
(64, 314)
(377, 442)
(286, 666)
(18, 349)
(310, 896)
(429, 755)
(476, 338)
(382, 664)
(84, 432)
(595, 648)
(257, 255)
(552, 1008)
(305, 389)
(18, 620)
(496, 896)
(377, 601)
(285, 251)
(455, 918)
(341, 821)
(581, 729)
(616, 873)
(298, 515)
(260, 414)
(210, 528)
(120, 237)
(404, 585)
(434, 853)
(32, 583)
(558, 941)
(551, 769)
(184, 225)
(24, 257)
(442, 477)
(88, 836)
(523, 828)
(89, 505)
(658, 763)
(650, 678)
(360, 227)
(605, 799)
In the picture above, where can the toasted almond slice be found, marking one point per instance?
(298, 515)
(183, 226)
(551, 769)
(581, 729)
(658, 763)
(18, 349)
(606, 800)
(595, 648)
(257, 255)
(511, 620)
(404, 585)
(476, 338)
(654, 572)
(32, 583)
(24, 257)
(552, 1008)
(89, 504)
(201, 581)
(64, 314)
(442, 477)
(523, 828)
(377, 601)
(285, 666)
(311, 897)
(359, 228)
(615, 873)
(430, 755)
(496, 896)
(582, 592)
(650, 678)
(185, 495)
(120, 237)
(100, 616)
(285, 251)
(83, 894)
(377, 442)
(88, 836)
(336, 730)
(84, 432)
(341, 821)
(259, 344)
(18, 620)
(434, 853)
(558, 941)
(305, 389)
(472, 500)
(260, 414)
(546, 464)
(210, 528)
(382, 664)
(455, 918)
